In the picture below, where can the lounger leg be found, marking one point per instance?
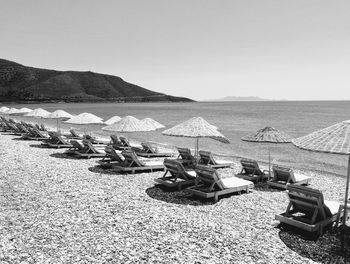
(338, 216)
(216, 197)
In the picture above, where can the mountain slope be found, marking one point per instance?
(22, 83)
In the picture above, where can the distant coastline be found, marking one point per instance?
(240, 99)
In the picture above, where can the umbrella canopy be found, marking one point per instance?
(3, 109)
(152, 123)
(128, 124)
(333, 139)
(196, 127)
(85, 118)
(12, 110)
(112, 120)
(39, 112)
(25, 110)
(268, 134)
(59, 114)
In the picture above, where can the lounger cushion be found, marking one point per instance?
(300, 177)
(222, 161)
(191, 173)
(152, 162)
(333, 207)
(233, 182)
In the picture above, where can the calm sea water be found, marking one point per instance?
(234, 120)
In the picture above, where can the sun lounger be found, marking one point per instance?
(125, 145)
(176, 175)
(150, 151)
(34, 134)
(111, 158)
(308, 210)
(133, 164)
(73, 135)
(251, 171)
(95, 141)
(90, 151)
(76, 146)
(186, 158)
(283, 176)
(209, 184)
(57, 141)
(206, 158)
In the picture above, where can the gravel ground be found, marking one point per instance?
(56, 209)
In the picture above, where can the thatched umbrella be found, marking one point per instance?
(196, 127)
(3, 109)
(334, 139)
(268, 135)
(152, 123)
(59, 115)
(39, 112)
(128, 124)
(85, 118)
(112, 120)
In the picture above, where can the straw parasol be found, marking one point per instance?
(112, 120)
(3, 109)
(11, 111)
(128, 124)
(39, 112)
(333, 139)
(59, 115)
(196, 127)
(152, 123)
(268, 135)
(85, 118)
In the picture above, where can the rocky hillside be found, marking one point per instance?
(20, 83)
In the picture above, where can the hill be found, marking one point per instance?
(19, 83)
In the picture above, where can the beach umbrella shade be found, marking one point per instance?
(85, 118)
(196, 127)
(152, 123)
(112, 120)
(128, 124)
(4, 109)
(22, 111)
(268, 135)
(59, 115)
(39, 112)
(11, 111)
(334, 139)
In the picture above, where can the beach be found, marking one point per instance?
(57, 209)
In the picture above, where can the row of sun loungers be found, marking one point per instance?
(306, 210)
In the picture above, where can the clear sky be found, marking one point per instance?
(203, 49)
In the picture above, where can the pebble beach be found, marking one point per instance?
(57, 209)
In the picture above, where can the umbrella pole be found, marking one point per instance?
(269, 163)
(346, 205)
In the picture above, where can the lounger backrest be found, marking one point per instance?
(209, 176)
(89, 147)
(77, 145)
(74, 134)
(185, 154)
(251, 167)
(206, 158)
(37, 126)
(131, 160)
(125, 141)
(115, 140)
(174, 166)
(283, 174)
(113, 155)
(61, 140)
(306, 200)
(148, 148)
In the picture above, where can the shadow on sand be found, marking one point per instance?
(324, 249)
(62, 156)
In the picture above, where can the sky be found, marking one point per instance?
(202, 49)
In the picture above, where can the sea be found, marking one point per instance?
(233, 119)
